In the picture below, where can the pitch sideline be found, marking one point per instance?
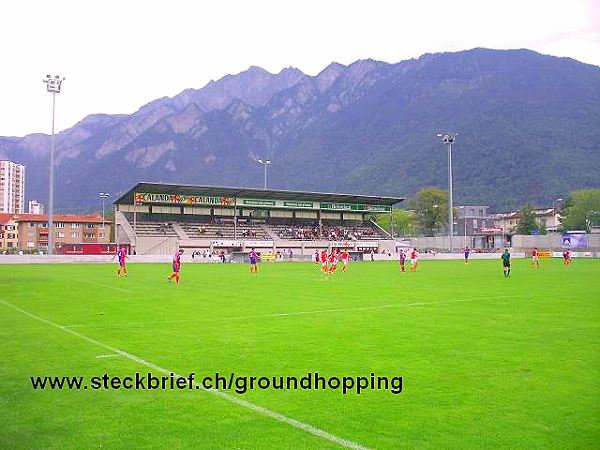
(230, 398)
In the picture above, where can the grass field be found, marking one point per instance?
(486, 361)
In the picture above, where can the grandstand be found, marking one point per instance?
(156, 218)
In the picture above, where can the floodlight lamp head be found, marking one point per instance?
(53, 84)
(448, 138)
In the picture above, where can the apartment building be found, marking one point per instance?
(9, 238)
(30, 231)
(12, 187)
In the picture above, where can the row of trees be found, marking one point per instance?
(582, 210)
(428, 214)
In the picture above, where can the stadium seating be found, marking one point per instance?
(155, 229)
(203, 230)
(246, 229)
(332, 232)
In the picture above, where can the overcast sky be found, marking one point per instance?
(118, 55)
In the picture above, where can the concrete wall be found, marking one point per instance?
(437, 242)
(187, 258)
(551, 241)
(519, 243)
(123, 231)
(147, 245)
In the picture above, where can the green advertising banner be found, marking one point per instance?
(256, 202)
(299, 204)
(177, 199)
(355, 207)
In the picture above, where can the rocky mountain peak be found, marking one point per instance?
(327, 76)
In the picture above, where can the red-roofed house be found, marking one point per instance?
(31, 230)
(9, 237)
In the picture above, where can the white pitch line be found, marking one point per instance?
(296, 313)
(230, 398)
(100, 284)
(112, 355)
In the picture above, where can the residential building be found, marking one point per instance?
(9, 237)
(35, 207)
(507, 221)
(549, 217)
(32, 230)
(12, 187)
(477, 222)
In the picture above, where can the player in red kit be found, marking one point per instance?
(333, 261)
(567, 257)
(344, 256)
(535, 258)
(176, 266)
(414, 260)
(324, 260)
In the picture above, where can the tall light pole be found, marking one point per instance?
(53, 85)
(448, 139)
(135, 205)
(265, 163)
(103, 195)
(464, 214)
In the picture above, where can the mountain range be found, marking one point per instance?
(528, 131)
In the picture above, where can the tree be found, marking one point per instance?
(431, 210)
(528, 221)
(582, 209)
(402, 221)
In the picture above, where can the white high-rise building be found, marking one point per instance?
(35, 207)
(12, 187)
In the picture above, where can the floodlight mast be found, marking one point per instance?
(265, 163)
(53, 85)
(448, 139)
(103, 196)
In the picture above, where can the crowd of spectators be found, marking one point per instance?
(330, 232)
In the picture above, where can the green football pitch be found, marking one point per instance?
(486, 361)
